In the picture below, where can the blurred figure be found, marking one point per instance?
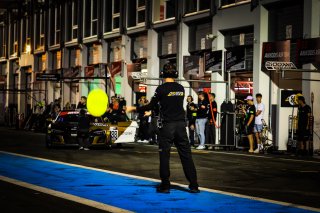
(83, 130)
(143, 133)
(202, 118)
(304, 113)
(250, 114)
(191, 118)
(258, 125)
(56, 111)
(82, 103)
(212, 118)
(67, 106)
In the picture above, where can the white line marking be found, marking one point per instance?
(178, 184)
(66, 196)
(248, 155)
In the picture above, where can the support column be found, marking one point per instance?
(153, 65)
(261, 79)
(127, 91)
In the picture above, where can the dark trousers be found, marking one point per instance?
(83, 138)
(210, 133)
(175, 132)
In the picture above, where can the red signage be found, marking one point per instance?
(114, 68)
(89, 71)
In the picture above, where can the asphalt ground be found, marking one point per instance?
(277, 177)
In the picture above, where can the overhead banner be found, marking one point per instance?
(273, 52)
(191, 65)
(47, 77)
(235, 58)
(308, 51)
(213, 61)
(289, 98)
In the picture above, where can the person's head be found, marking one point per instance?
(212, 97)
(82, 112)
(169, 71)
(201, 96)
(301, 100)
(56, 108)
(189, 99)
(113, 98)
(258, 97)
(83, 99)
(249, 100)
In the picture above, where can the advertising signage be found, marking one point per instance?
(191, 64)
(289, 98)
(273, 52)
(308, 51)
(235, 58)
(213, 61)
(47, 77)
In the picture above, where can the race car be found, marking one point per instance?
(63, 130)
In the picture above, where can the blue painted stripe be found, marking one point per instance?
(125, 192)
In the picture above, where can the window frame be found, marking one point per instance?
(241, 2)
(197, 10)
(165, 13)
(139, 9)
(73, 25)
(3, 44)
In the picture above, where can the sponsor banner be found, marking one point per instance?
(278, 65)
(278, 51)
(213, 61)
(308, 51)
(289, 98)
(47, 77)
(191, 65)
(235, 58)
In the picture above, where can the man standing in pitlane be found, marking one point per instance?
(170, 95)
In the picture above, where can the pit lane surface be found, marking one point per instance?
(272, 177)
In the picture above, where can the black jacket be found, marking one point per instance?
(170, 95)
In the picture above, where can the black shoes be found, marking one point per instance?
(194, 190)
(166, 189)
(163, 189)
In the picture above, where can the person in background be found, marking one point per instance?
(67, 106)
(250, 114)
(212, 118)
(258, 125)
(56, 111)
(191, 118)
(82, 103)
(202, 118)
(143, 133)
(83, 130)
(304, 113)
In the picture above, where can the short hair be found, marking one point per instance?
(82, 112)
(258, 95)
(301, 98)
(213, 94)
(190, 97)
(201, 93)
(84, 97)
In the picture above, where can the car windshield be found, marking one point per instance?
(73, 117)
